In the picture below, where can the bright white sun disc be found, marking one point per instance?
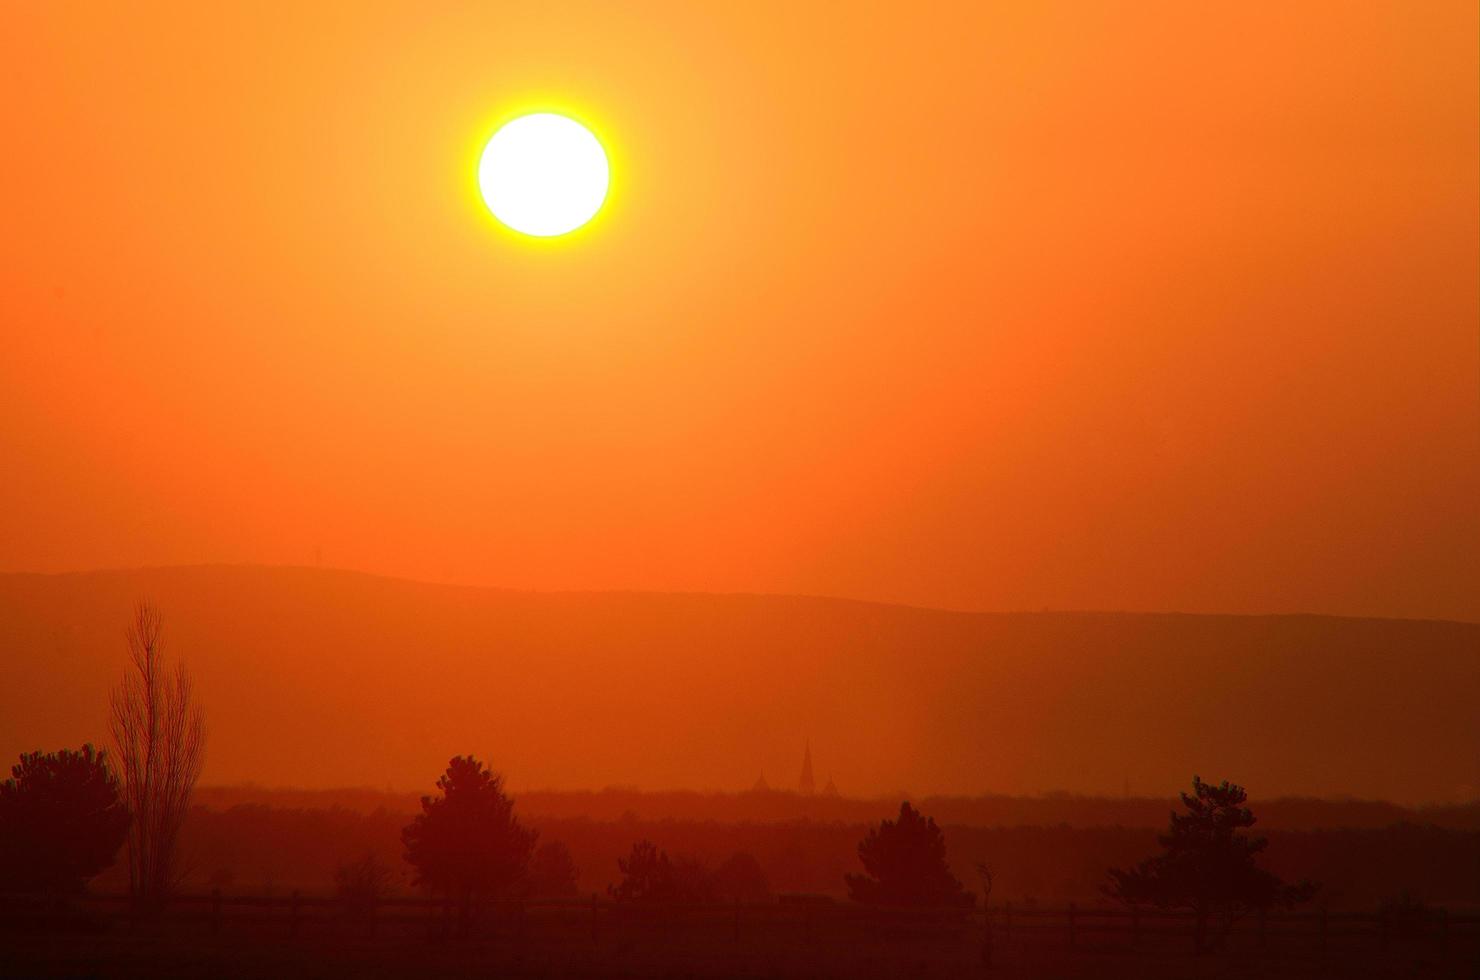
(543, 174)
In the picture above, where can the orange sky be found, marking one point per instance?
(997, 307)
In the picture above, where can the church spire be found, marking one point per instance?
(806, 784)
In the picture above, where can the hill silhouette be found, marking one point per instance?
(322, 678)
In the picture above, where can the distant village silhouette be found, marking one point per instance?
(806, 783)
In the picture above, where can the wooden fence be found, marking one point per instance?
(806, 920)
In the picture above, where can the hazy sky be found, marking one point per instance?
(993, 306)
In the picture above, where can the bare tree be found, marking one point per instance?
(160, 734)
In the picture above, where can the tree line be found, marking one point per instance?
(64, 817)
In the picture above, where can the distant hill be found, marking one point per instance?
(323, 678)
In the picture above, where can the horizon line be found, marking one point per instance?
(1050, 795)
(809, 596)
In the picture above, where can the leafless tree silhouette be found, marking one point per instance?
(361, 884)
(159, 731)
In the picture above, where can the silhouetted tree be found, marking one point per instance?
(904, 862)
(741, 879)
(650, 876)
(1207, 865)
(61, 821)
(467, 844)
(647, 875)
(552, 873)
(361, 884)
(160, 734)
(692, 881)
(1406, 915)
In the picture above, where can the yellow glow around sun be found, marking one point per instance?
(543, 175)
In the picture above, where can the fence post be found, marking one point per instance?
(293, 914)
(986, 936)
(215, 910)
(1072, 909)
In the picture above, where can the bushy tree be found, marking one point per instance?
(692, 881)
(1207, 864)
(1406, 915)
(61, 821)
(650, 876)
(647, 875)
(466, 844)
(552, 873)
(741, 879)
(904, 863)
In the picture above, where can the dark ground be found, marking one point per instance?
(185, 950)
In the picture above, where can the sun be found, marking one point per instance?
(543, 175)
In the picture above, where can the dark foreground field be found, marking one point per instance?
(779, 942)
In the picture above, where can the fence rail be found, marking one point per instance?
(807, 920)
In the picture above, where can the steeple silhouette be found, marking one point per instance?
(805, 784)
(761, 786)
(831, 789)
